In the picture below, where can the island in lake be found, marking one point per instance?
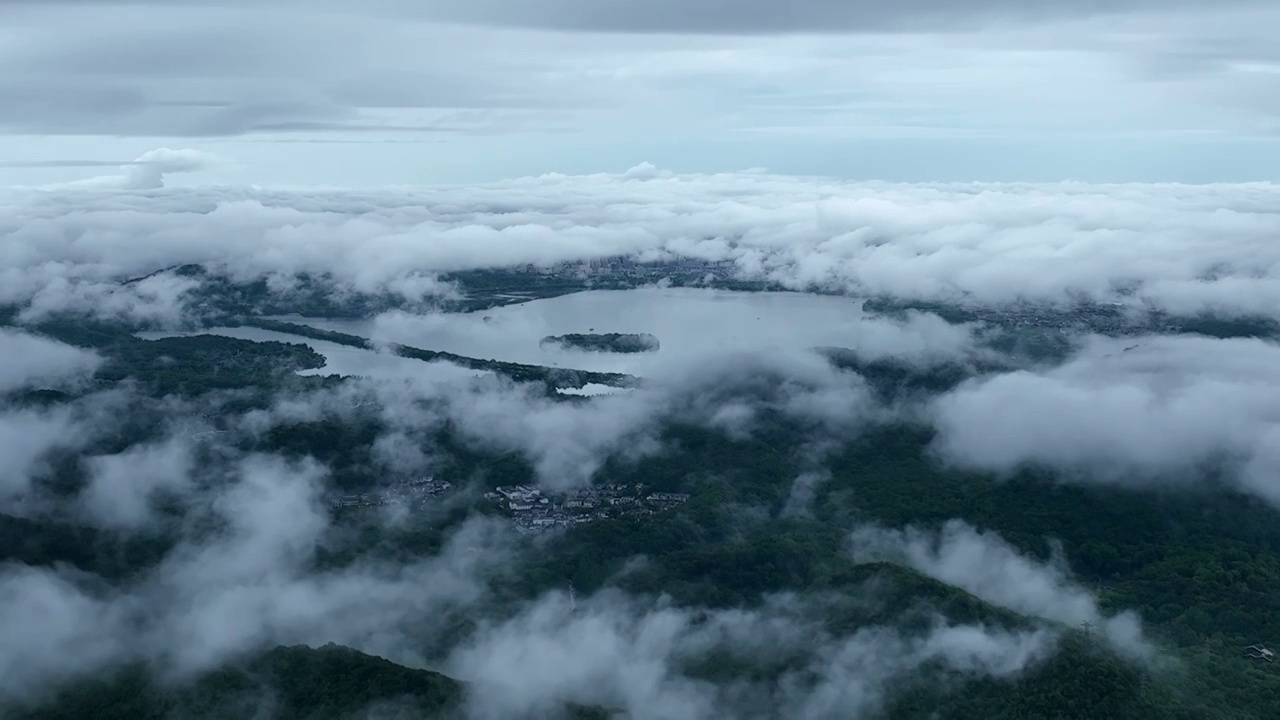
(605, 342)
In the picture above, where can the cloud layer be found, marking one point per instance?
(1181, 248)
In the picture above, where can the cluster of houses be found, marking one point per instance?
(1106, 317)
(413, 494)
(624, 266)
(532, 511)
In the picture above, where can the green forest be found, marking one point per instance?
(606, 342)
(1199, 565)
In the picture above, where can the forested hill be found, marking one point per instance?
(606, 342)
(338, 683)
(287, 683)
(183, 365)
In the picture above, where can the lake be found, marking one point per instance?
(691, 324)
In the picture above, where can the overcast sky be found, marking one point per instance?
(393, 91)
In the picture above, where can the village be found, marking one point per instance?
(413, 494)
(623, 266)
(532, 511)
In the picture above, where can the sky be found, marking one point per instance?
(393, 92)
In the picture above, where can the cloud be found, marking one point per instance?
(26, 438)
(1143, 411)
(85, 163)
(122, 487)
(548, 656)
(630, 655)
(201, 70)
(157, 301)
(247, 585)
(854, 675)
(149, 169)
(250, 583)
(242, 575)
(983, 564)
(34, 361)
(731, 378)
(31, 437)
(147, 172)
(761, 17)
(1182, 248)
(566, 442)
(51, 628)
(716, 84)
(803, 490)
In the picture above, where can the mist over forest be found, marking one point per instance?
(589, 359)
(866, 466)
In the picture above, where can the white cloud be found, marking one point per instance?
(153, 301)
(122, 487)
(394, 92)
(249, 585)
(34, 361)
(854, 675)
(148, 171)
(28, 436)
(627, 655)
(1182, 248)
(52, 628)
(983, 564)
(602, 67)
(246, 581)
(567, 442)
(1154, 410)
